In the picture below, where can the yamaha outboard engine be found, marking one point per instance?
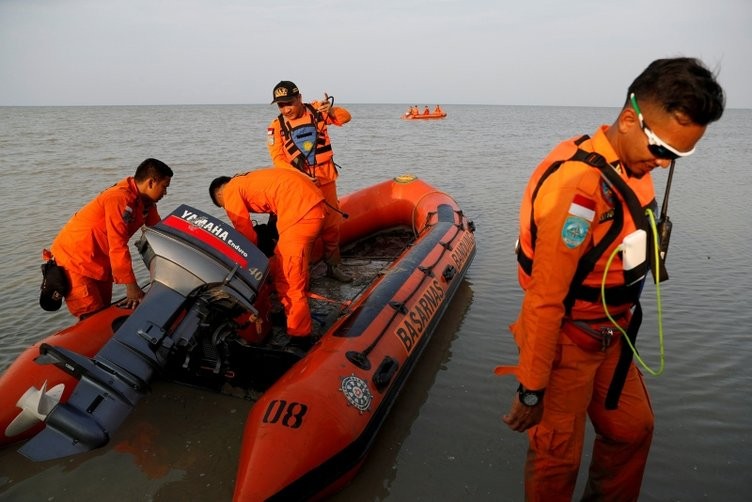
(203, 273)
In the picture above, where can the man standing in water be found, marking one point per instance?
(92, 247)
(579, 205)
(298, 138)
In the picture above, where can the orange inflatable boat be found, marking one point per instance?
(206, 320)
(424, 116)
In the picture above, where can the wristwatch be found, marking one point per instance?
(529, 397)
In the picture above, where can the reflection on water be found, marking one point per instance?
(178, 444)
(379, 473)
(182, 443)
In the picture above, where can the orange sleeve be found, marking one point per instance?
(152, 216)
(118, 236)
(338, 116)
(538, 325)
(276, 147)
(238, 212)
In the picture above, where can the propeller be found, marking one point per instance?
(35, 405)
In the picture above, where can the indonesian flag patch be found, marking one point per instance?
(582, 207)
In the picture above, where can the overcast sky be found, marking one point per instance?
(515, 52)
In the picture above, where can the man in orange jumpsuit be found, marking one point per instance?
(298, 138)
(573, 363)
(299, 207)
(92, 247)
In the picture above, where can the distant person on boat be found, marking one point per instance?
(298, 138)
(426, 111)
(581, 203)
(92, 247)
(438, 110)
(300, 210)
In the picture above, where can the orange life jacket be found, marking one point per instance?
(614, 225)
(318, 151)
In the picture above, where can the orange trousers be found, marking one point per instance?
(577, 389)
(290, 273)
(330, 230)
(87, 295)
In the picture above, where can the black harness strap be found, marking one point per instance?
(299, 160)
(551, 169)
(619, 295)
(284, 126)
(641, 221)
(625, 360)
(589, 259)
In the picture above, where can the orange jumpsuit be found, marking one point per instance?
(298, 205)
(573, 209)
(93, 246)
(323, 171)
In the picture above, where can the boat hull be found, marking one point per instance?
(430, 116)
(308, 431)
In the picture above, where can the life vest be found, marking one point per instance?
(616, 294)
(306, 140)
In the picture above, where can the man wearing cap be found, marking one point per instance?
(298, 138)
(92, 247)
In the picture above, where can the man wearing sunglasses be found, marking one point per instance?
(580, 204)
(298, 138)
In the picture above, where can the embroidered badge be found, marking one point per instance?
(128, 215)
(582, 207)
(270, 136)
(357, 393)
(574, 231)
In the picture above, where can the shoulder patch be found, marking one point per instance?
(607, 193)
(270, 136)
(574, 231)
(582, 207)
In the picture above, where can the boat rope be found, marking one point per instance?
(315, 296)
(336, 209)
(427, 224)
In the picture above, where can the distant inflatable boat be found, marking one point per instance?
(424, 116)
(205, 321)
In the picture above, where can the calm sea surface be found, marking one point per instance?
(444, 439)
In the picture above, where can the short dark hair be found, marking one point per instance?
(215, 185)
(152, 168)
(681, 85)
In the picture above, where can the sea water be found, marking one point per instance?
(444, 439)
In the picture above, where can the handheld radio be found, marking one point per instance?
(663, 226)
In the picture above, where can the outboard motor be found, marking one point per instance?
(201, 270)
